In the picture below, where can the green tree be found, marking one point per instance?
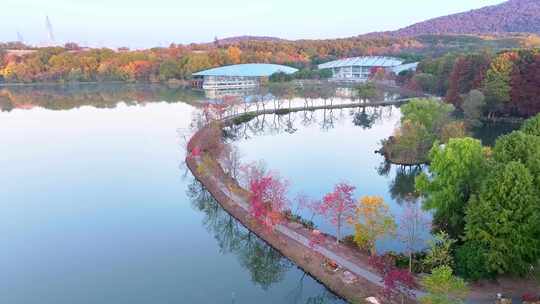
(440, 251)
(473, 108)
(366, 91)
(441, 68)
(504, 219)
(423, 121)
(532, 126)
(430, 113)
(497, 82)
(456, 172)
(409, 145)
(518, 146)
(471, 262)
(426, 82)
(170, 69)
(443, 287)
(280, 77)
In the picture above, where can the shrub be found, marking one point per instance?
(440, 251)
(402, 261)
(471, 262)
(443, 287)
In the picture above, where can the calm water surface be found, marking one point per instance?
(98, 207)
(315, 150)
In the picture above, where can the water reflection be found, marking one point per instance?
(365, 120)
(402, 187)
(120, 226)
(325, 119)
(329, 146)
(70, 96)
(489, 132)
(108, 95)
(265, 265)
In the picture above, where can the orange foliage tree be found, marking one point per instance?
(373, 222)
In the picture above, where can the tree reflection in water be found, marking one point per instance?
(402, 187)
(325, 119)
(103, 95)
(365, 120)
(265, 265)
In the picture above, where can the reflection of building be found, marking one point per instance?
(345, 92)
(220, 94)
(359, 69)
(237, 76)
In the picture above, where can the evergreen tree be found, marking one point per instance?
(518, 146)
(532, 126)
(504, 220)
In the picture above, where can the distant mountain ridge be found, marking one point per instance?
(513, 16)
(510, 17)
(238, 39)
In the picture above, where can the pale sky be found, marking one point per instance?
(147, 23)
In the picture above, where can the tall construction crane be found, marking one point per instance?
(50, 33)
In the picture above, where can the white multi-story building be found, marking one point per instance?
(359, 69)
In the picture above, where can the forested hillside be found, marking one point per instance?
(513, 16)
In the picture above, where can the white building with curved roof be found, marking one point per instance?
(359, 69)
(238, 76)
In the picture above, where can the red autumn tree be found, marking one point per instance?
(268, 196)
(525, 84)
(398, 283)
(467, 74)
(338, 206)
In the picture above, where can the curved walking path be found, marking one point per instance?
(368, 283)
(342, 261)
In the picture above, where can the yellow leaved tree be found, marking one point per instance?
(374, 221)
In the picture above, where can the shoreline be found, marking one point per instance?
(289, 238)
(79, 83)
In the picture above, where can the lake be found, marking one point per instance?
(314, 150)
(97, 205)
